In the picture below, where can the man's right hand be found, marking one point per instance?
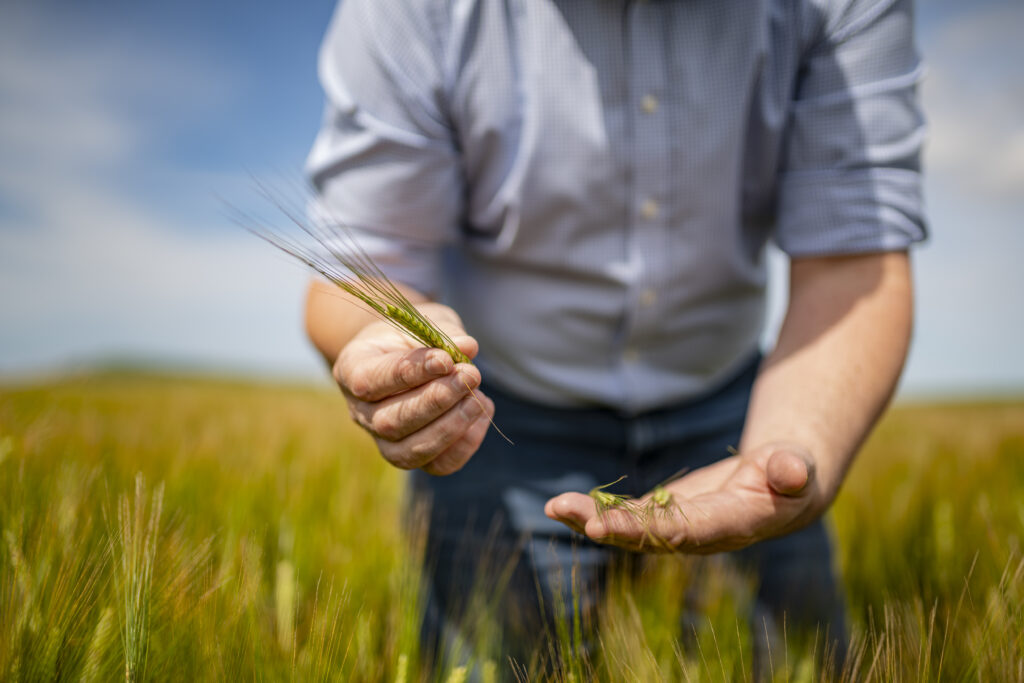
(417, 403)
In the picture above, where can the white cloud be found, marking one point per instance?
(974, 98)
(89, 269)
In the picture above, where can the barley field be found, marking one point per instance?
(181, 528)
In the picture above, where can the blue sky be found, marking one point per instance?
(121, 123)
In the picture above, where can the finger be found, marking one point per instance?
(626, 527)
(372, 377)
(453, 459)
(396, 417)
(634, 526)
(571, 509)
(424, 445)
(468, 345)
(788, 473)
(450, 323)
(445, 317)
(705, 525)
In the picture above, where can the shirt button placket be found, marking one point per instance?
(649, 209)
(646, 56)
(648, 297)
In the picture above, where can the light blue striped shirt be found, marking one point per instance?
(591, 183)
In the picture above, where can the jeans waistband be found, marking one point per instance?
(721, 408)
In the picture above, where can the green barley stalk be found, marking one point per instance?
(332, 251)
(133, 546)
(102, 635)
(458, 675)
(402, 670)
(284, 603)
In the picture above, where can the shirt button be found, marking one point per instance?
(648, 297)
(649, 209)
(649, 104)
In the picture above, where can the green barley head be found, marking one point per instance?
(607, 501)
(332, 250)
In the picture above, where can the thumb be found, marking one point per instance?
(788, 473)
(468, 345)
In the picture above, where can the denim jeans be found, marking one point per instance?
(488, 533)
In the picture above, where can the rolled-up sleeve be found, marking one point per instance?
(851, 179)
(384, 163)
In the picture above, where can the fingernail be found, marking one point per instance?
(469, 378)
(472, 408)
(437, 365)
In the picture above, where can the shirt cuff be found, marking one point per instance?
(835, 213)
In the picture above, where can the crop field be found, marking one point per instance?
(159, 527)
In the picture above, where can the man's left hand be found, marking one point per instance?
(768, 491)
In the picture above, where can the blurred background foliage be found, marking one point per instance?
(280, 552)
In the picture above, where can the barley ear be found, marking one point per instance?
(605, 501)
(333, 251)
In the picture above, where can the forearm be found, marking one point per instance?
(837, 361)
(334, 317)
(835, 365)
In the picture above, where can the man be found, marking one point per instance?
(590, 185)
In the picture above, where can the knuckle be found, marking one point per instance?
(424, 450)
(441, 437)
(357, 411)
(438, 397)
(385, 426)
(449, 462)
(359, 385)
(406, 372)
(363, 423)
(393, 456)
(436, 469)
(414, 412)
(431, 405)
(453, 466)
